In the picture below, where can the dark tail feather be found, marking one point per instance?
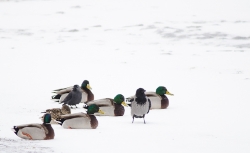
(56, 96)
(60, 121)
(15, 129)
(128, 101)
(85, 106)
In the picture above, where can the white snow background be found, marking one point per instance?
(198, 49)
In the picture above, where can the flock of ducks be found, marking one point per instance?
(140, 104)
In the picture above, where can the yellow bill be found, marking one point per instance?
(168, 93)
(88, 86)
(124, 104)
(100, 111)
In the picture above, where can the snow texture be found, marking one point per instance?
(198, 49)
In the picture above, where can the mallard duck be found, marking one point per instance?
(111, 107)
(65, 109)
(81, 120)
(36, 131)
(87, 95)
(140, 105)
(158, 99)
(57, 112)
(74, 97)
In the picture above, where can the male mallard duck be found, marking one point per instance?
(140, 105)
(111, 107)
(57, 112)
(36, 131)
(87, 95)
(158, 99)
(74, 97)
(81, 120)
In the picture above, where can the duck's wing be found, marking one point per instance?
(63, 90)
(153, 96)
(32, 131)
(101, 102)
(75, 115)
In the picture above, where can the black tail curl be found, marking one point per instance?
(85, 106)
(56, 96)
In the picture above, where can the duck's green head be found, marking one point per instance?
(47, 118)
(91, 109)
(85, 85)
(161, 90)
(119, 99)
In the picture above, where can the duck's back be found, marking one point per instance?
(101, 102)
(62, 91)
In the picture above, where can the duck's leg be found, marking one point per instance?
(133, 118)
(144, 119)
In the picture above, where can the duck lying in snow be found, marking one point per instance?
(57, 112)
(42, 131)
(111, 107)
(158, 99)
(81, 120)
(61, 93)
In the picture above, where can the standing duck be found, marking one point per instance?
(36, 131)
(81, 120)
(74, 97)
(87, 95)
(111, 107)
(140, 105)
(57, 112)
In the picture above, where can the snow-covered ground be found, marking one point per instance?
(198, 49)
